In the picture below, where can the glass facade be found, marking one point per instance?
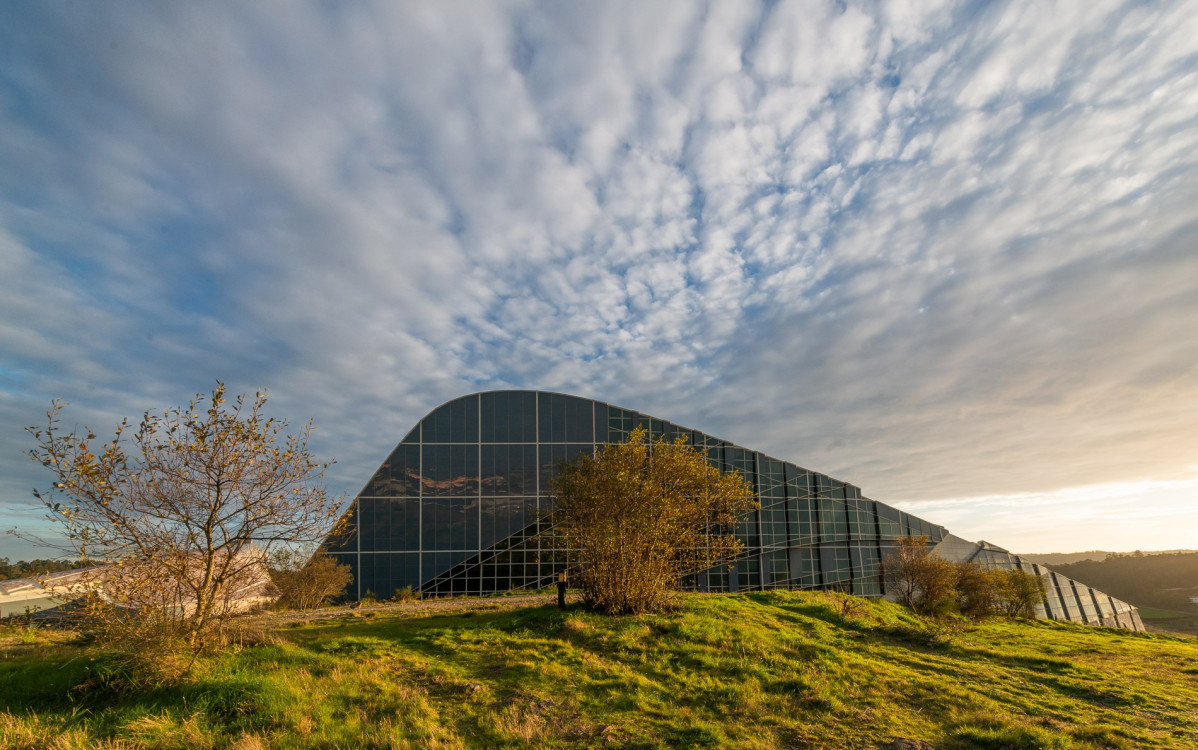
(459, 506)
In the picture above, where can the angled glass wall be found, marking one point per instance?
(457, 507)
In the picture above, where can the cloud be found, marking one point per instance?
(939, 251)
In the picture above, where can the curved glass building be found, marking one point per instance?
(459, 507)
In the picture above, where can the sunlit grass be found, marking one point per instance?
(755, 670)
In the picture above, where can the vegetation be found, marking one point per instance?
(308, 581)
(34, 568)
(759, 670)
(931, 585)
(183, 511)
(981, 593)
(918, 577)
(642, 516)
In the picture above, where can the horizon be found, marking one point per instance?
(942, 251)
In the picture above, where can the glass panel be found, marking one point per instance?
(367, 582)
(407, 535)
(399, 475)
(509, 417)
(862, 519)
(867, 570)
(470, 508)
(368, 522)
(889, 521)
(778, 568)
(746, 530)
(808, 572)
(835, 563)
(405, 571)
(771, 478)
(619, 424)
(601, 420)
(347, 539)
(509, 469)
(437, 425)
(580, 421)
(834, 526)
(455, 422)
(1086, 601)
(553, 455)
(552, 418)
(450, 470)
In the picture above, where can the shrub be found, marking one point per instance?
(308, 583)
(405, 594)
(1020, 592)
(977, 590)
(922, 580)
(643, 515)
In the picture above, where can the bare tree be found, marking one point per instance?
(920, 578)
(182, 513)
(643, 516)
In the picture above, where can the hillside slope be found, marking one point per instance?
(760, 670)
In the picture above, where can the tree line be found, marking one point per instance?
(33, 568)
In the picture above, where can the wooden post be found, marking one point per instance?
(561, 589)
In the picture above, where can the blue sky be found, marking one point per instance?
(947, 252)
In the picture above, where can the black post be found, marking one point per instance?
(561, 589)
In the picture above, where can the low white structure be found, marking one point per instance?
(248, 586)
(22, 596)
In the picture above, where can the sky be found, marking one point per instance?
(947, 252)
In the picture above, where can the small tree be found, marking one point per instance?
(919, 578)
(183, 512)
(1020, 592)
(978, 594)
(641, 516)
(306, 582)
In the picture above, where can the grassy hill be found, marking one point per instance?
(761, 670)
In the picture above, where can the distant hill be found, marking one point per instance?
(1053, 559)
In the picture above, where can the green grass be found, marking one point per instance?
(1170, 620)
(763, 670)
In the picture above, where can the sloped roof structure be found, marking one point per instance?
(459, 507)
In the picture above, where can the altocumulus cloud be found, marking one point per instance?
(946, 251)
